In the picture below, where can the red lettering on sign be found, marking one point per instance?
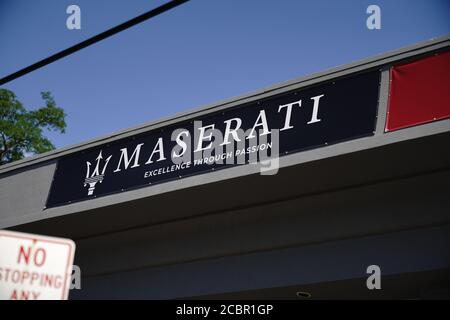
(39, 256)
(43, 256)
(26, 255)
(24, 295)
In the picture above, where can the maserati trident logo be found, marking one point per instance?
(96, 175)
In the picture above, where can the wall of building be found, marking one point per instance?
(328, 213)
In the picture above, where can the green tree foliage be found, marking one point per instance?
(21, 131)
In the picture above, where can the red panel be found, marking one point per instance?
(419, 92)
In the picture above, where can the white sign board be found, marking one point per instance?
(34, 267)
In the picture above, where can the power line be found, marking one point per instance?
(108, 33)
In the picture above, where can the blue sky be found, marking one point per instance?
(196, 54)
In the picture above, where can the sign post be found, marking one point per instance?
(34, 267)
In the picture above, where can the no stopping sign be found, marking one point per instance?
(34, 267)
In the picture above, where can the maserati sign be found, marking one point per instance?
(254, 132)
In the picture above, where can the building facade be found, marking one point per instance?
(362, 179)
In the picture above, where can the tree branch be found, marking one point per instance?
(5, 145)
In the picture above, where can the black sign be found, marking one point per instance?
(258, 132)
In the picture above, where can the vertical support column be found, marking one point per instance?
(383, 98)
